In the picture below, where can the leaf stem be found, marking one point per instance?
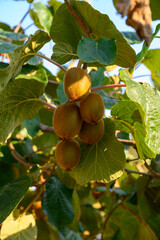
(136, 172)
(20, 23)
(152, 172)
(107, 86)
(54, 82)
(47, 104)
(46, 128)
(127, 142)
(51, 61)
(77, 18)
(130, 211)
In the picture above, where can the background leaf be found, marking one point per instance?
(44, 15)
(11, 194)
(20, 228)
(22, 54)
(19, 101)
(128, 119)
(56, 203)
(14, 36)
(32, 126)
(152, 61)
(102, 27)
(100, 161)
(131, 37)
(147, 99)
(102, 51)
(63, 52)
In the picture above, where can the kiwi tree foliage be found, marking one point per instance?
(113, 193)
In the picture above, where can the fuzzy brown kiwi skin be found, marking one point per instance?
(92, 108)
(67, 120)
(91, 133)
(77, 84)
(68, 154)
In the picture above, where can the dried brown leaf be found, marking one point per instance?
(138, 16)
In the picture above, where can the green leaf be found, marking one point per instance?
(25, 147)
(102, 51)
(97, 77)
(54, 4)
(56, 202)
(7, 47)
(108, 101)
(74, 225)
(19, 101)
(21, 228)
(45, 116)
(63, 52)
(102, 27)
(6, 173)
(68, 234)
(45, 139)
(155, 5)
(152, 61)
(35, 60)
(35, 19)
(147, 99)
(44, 14)
(46, 231)
(131, 37)
(5, 26)
(128, 119)
(138, 230)
(11, 194)
(14, 36)
(38, 73)
(32, 126)
(65, 28)
(145, 48)
(61, 95)
(90, 218)
(100, 161)
(21, 55)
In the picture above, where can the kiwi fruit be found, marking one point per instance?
(92, 108)
(77, 84)
(67, 120)
(67, 154)
(91, 133)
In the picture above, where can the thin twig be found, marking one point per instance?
(54, 82)
(46, 128)
(107, 219)
(30, 25)
(147, 75)
(51, 61)
(20, 23)
(78, 19)
(19, 159)
(38, 150)
(127, 142)
(137, 172)
(33, 200)
(107, 86)
(47, 104)
(152, 172)
(130, 211)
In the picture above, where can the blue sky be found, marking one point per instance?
(13, 11)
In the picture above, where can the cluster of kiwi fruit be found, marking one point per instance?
(80, 116)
